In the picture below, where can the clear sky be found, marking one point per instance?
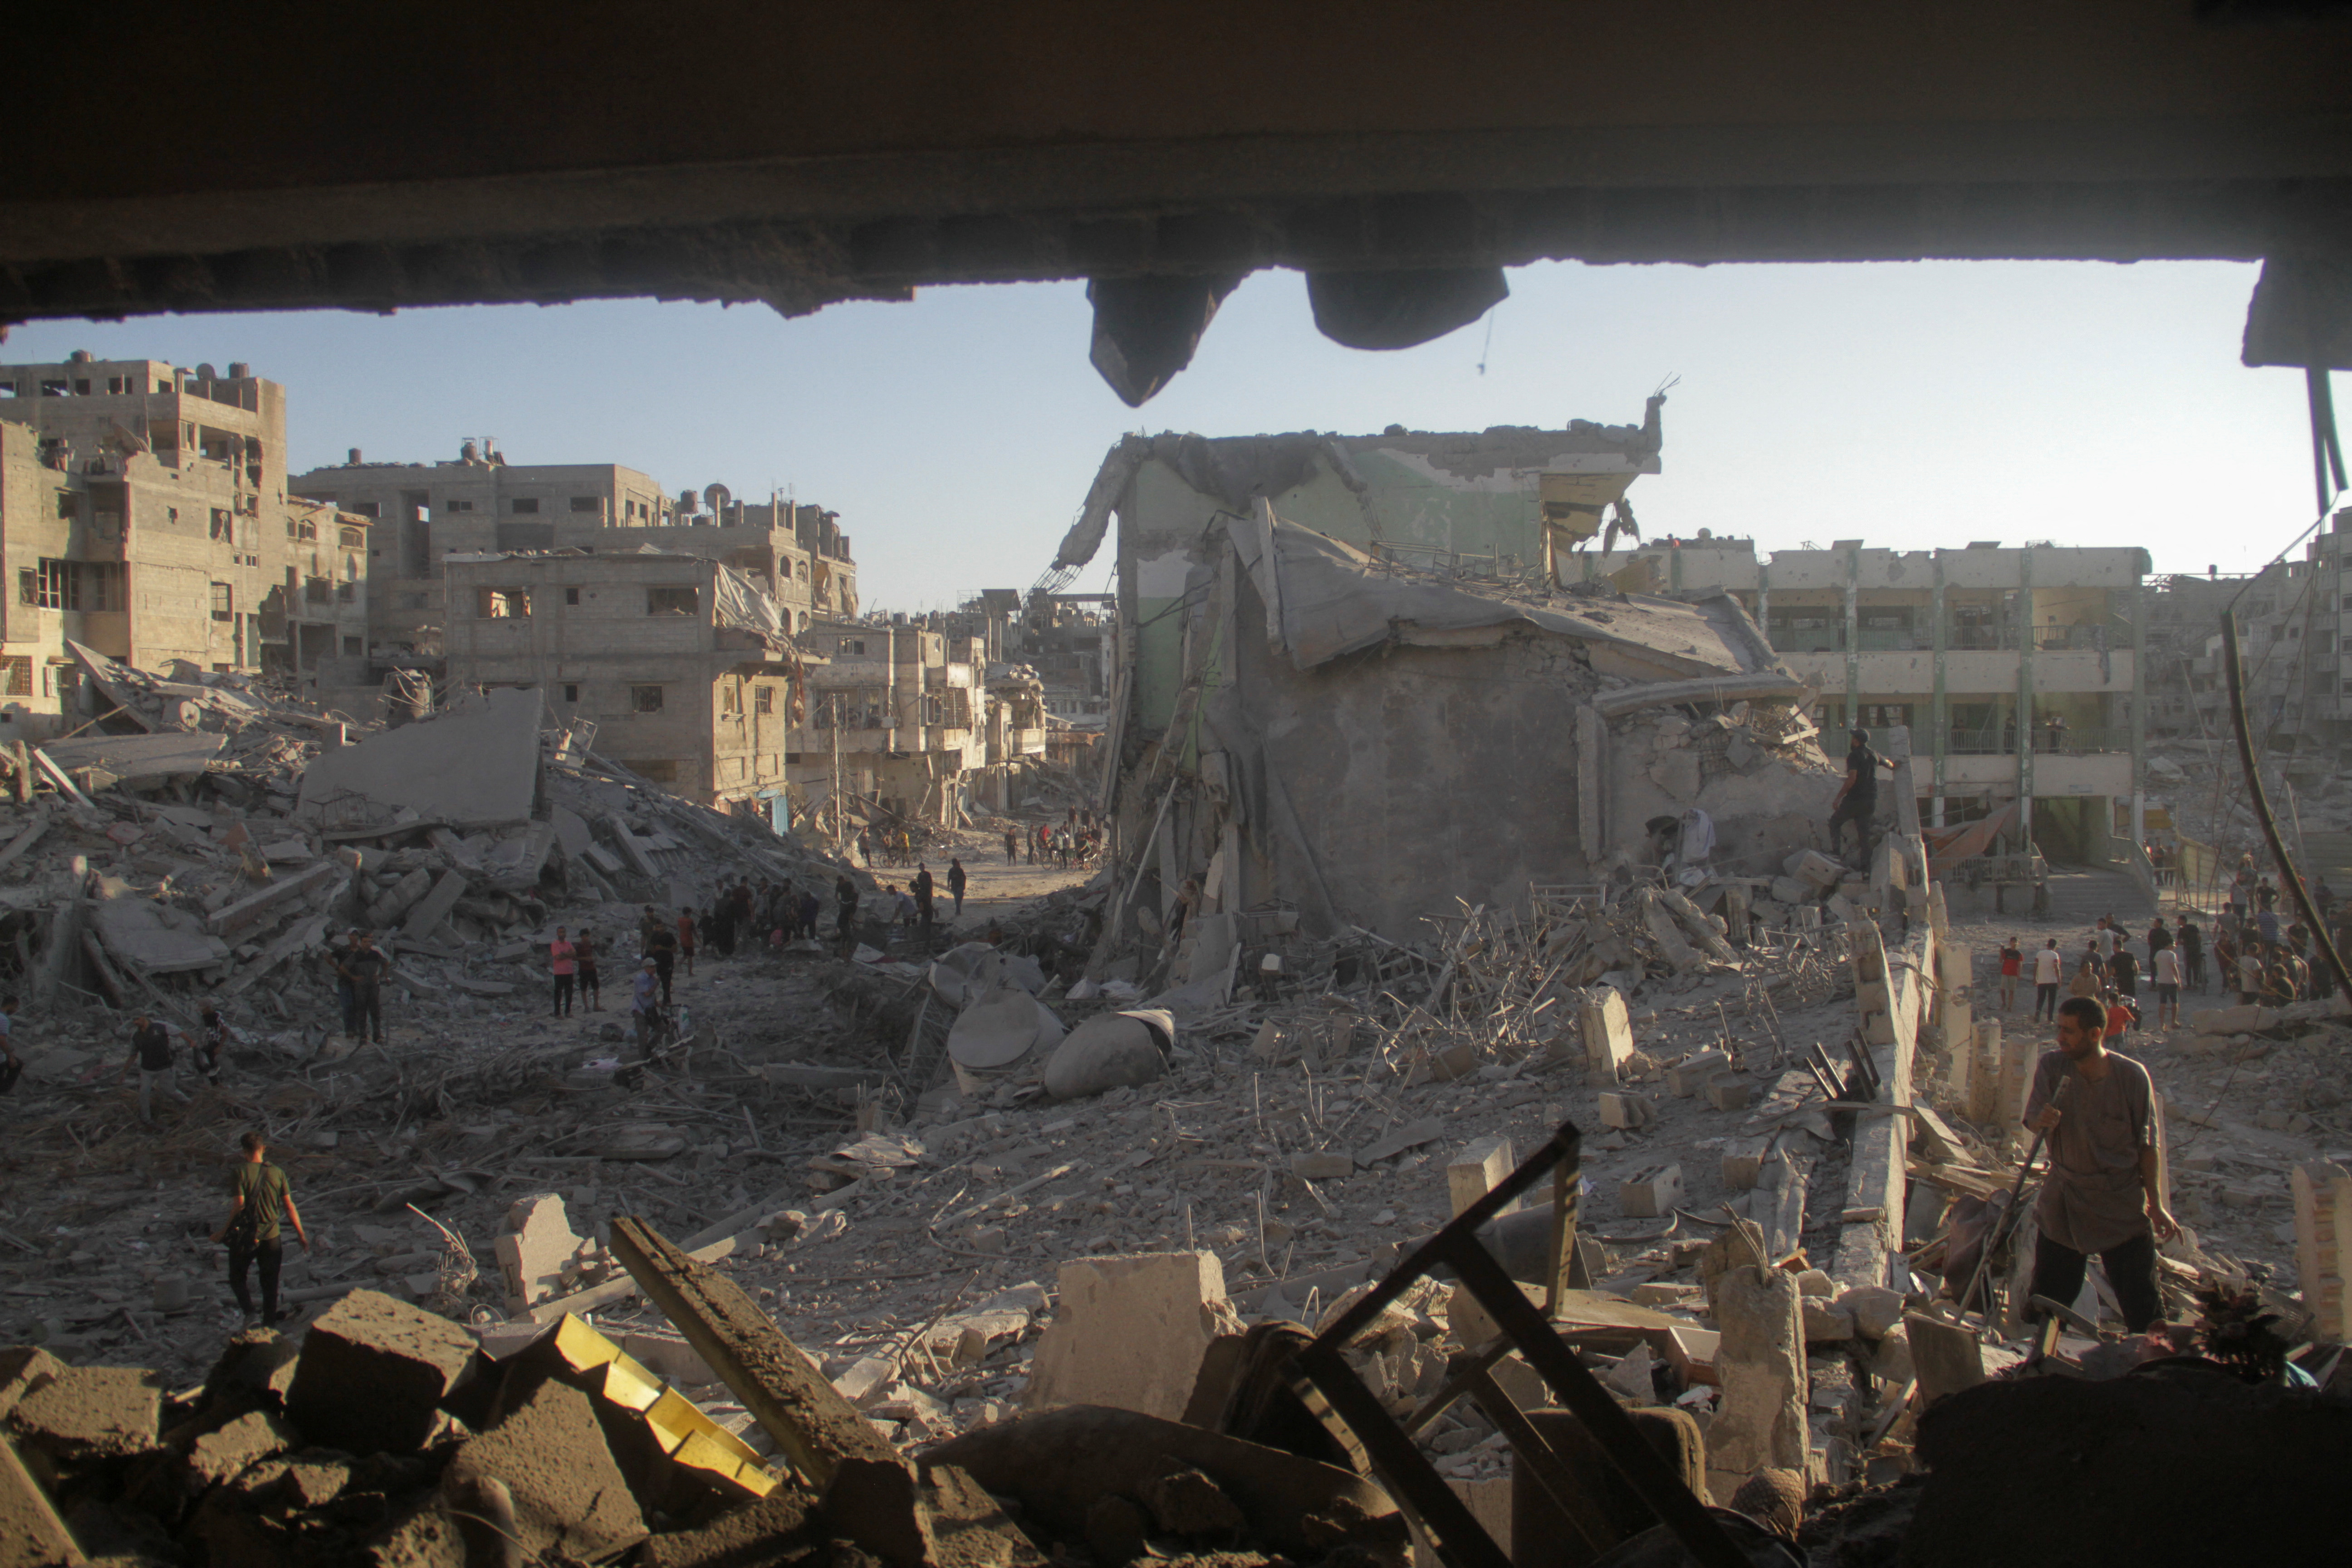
(1912, 404)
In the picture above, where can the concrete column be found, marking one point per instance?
(1764, 599)
(1852, 638)
(1761, 1360)
(1938, 713)
(2140, 701)
(2025, 695)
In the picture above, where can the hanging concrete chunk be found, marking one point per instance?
(373, 1372)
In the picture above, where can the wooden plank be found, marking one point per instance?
(811, 1423)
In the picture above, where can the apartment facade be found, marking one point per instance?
(2008, 674)
(478, 503)
(681, 663)
(145, 513)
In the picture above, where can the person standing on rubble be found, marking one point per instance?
(211, 1043)
(335, 956)
(563, 964)
(866, 846)
(592, 993)
(2101, 1194)
(2249, 970)
(151, 1052)
(1011, 848)
(956, 880)
(367, 967)
(2190, 940)
(1857, 799)
(2123, 972)
(810, 905)
(2048, 970)
(2012, 965)
(661, 947)
(260, 1201)
(2167, 986)
(685, 932)
(645, 1001)
(845, 893)
(925, 901)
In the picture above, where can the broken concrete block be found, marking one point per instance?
(1651, 1194)
(1476, 1171)
(373, 1372)
(1687, 1077)
(1793, 891)
(2227, 1020)
(1322, 1165)
(922, 1513)
(31, 1532)
(1743, 1162)
(773, 1533)
(2321, 1192)
(1760, 1361)
(1946, 1357)
(258, 1360)
(1813, 866)
(566, 1497)
(537, 1250)
(247, 911)
(433, 908)
(1677, 773)
(1876, 1310)
(1188, 1504)
(1812, 1282)
(228, 1450)
(24, 1368)
(1130, 1332)
(1728, 1091)
(1825, 1320)
(397, 899)
(90, 1412)
(1892, 1359)
(1626, 1111)
(1608, 1033)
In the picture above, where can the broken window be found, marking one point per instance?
(523, 506)
(223, 602)
(69, 504)
(365, 508)
(571, 694)
(588, 504)
(81, 389)
(503, 604)
(673, 600)
(352, 538)
(347, 592)
(457, 506)
(644, 699)
(318, 591)
(763, 700)
(58, 584)
(731, 699)
(53, 389)
(570, 595)
(307, 528)
(17, 675)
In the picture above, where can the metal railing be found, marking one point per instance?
(2073, 741)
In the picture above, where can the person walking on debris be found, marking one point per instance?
(845, 893)
(563, 964)
(2190, 939)
(2167, 986)
(2101, 1194)
(260, 1202)
(583, 951)
(2013, 964)
(211, 1042)
(1012, 848)
(866, 846)
(644, 998)
(151, 1052)
(956, 882)
(662, 948)
(2123, 970)
(366, 968)
(12, 1066)
(925, 901)
(2048, 970)
(810, 905)
(649, 925)
(1857, 799)
(687, 929)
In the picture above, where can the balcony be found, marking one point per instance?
(2075, 741)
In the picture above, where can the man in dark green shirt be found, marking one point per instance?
(259, 1203)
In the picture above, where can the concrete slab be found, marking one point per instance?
(1129, 1333)
(274, 898)
(92, 1413)
(472, 766)
(373, 1372)
(30, 1531)
(433, 908)
(155, 937)
(568, 1498)
(537, 1247)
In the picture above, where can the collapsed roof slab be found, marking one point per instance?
(475, 766)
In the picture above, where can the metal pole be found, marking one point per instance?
(2234, 667)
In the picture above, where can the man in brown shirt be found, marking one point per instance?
(2102, 1193)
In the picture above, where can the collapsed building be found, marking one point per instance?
(1418, 698)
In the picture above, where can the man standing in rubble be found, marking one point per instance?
(661, 950)
(644, 1000)
(2012, 965)
(925, 901)
(957, 879)
(258, 1203)
(2102, 1193)
(845, 893)
(2048, 968)
(366, 966)
(151, 1052)
(2190, 939)
(1857, 799)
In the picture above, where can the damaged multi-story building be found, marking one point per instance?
(1361, 676)
(145, 513)
(681, 663)
(2010, 676)
(478, 503)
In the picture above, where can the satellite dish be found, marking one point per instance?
(716, 497)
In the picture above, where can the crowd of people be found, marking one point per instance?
(2252, 952)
